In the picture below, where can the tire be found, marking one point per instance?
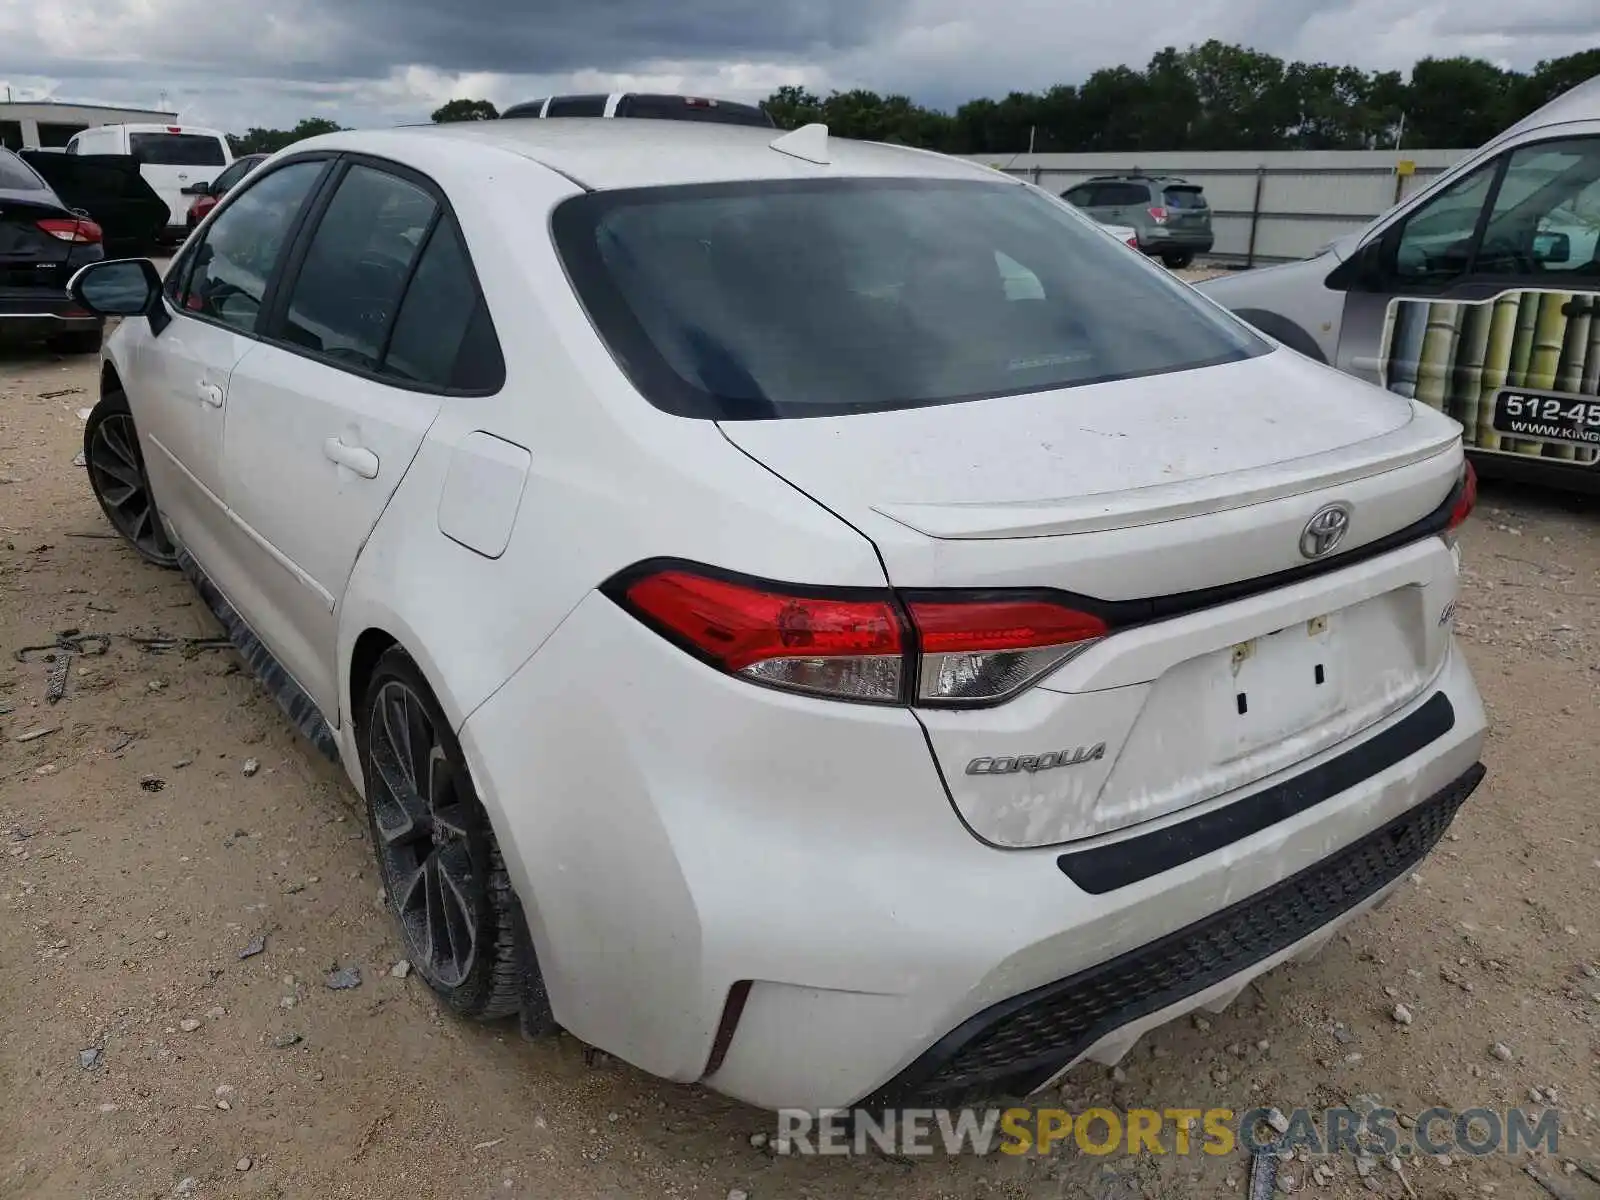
(1177, 260)
(115, 466)
(445, 879)
(82, 341)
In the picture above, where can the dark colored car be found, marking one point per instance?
(207, 195)
(1171, 214)
(661, 107)
(112, 190)
(42, 245)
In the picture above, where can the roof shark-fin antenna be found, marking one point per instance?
(808, 143)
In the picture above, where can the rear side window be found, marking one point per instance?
(18, 176)
(1121, 194)
(176, 149)
(577, 106)
(443, 337)
(1081, 196)
(528, 108)
(820, 297)
(357, 265)
(1184, 196)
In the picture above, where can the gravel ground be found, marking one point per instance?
(170, 823)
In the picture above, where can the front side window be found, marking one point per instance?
(816, 298)
(243, 245)
(1435, 243)
(1546, 215)
(344, 299)
(229, 177)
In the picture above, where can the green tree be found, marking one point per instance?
(791, 107)
(465, 110)
(270, 141)
(1458, 102)
(1213, 96)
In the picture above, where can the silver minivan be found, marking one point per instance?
(1480, 296)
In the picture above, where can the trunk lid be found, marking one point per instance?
(30, 259)
(1168, 498)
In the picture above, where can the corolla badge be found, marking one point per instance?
(1037, 762)
(1325, 530)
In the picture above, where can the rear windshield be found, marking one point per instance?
(1184, 197)
(678, 108)
(176, 149)
(819, 297)
(16, 175)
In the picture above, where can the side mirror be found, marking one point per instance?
(1552, 249)
(123, 287)
(202, 188)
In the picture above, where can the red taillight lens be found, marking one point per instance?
(66, 229)
(1158, 214)
(959, 650)
(980, 651)
(850, 648)
(1134, 242)
(1466, 500)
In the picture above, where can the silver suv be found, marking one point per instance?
(1171, 214)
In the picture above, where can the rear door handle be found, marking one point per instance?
(358, 458)
(210, 394)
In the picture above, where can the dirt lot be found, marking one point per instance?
(141, 1055)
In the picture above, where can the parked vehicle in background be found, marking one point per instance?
(894, 642)
(206, 195)
(1170, 214)
(112, 190)
(1479, 296)
(1126, 234)
(644, 105)
(42, 244)
(172, 159)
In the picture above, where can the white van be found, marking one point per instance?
(172, 159)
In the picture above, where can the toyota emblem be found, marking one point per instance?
(1325, 530)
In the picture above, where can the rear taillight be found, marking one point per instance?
(68, 229)
(1158, 214)
(1466, 499)
(948, 648)
(1134, 241)
(980, 651)
(831, 645)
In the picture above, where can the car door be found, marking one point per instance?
(325, 417)
(178, 381)
(1485, 302)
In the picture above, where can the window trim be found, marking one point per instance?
(274, 314)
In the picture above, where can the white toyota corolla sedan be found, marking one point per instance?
(815, 618)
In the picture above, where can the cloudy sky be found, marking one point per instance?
(237, 63)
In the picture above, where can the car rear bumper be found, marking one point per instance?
(1160, 238)
(43, 315)
(772, 894)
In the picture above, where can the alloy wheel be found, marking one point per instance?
(433, 856)
(116, 473)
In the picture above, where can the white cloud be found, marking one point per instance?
(238, 63)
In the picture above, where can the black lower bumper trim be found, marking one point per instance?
(1015, 1046)
(1107, 868)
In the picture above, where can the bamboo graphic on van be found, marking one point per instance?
(1462, 357)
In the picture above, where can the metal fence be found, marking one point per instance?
(1266, 206)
